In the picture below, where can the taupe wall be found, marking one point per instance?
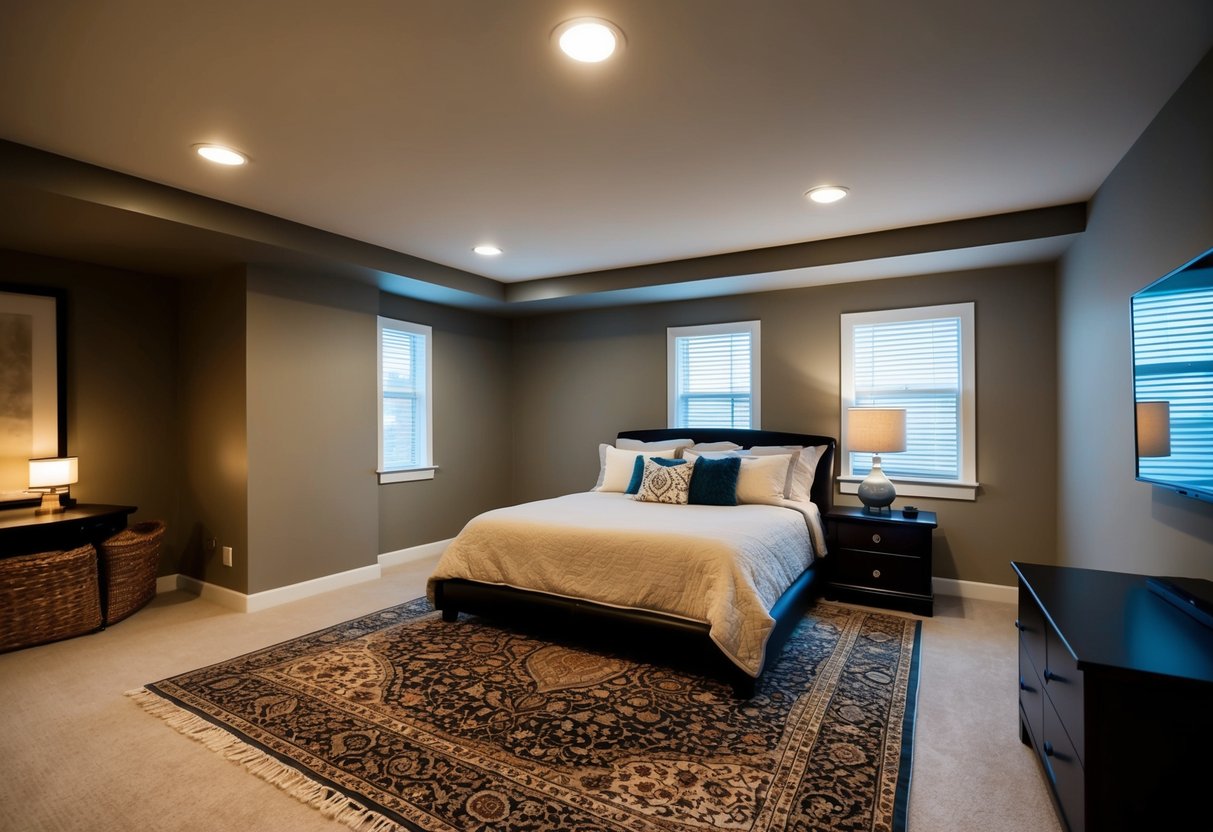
(122, 415)
(1152, 214)
(580, 378)
(312, 499)
(213, 483)
(472, 430)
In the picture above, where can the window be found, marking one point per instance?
(922, 360)
(713, 375)
(405, 441)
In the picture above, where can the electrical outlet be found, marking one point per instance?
(227, 555)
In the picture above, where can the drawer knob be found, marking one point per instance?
(875, 538)
(875, 573)
(1023, 685)
(1050, 676)
(1018, 625)
(1048, 749)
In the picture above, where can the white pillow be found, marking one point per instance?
(693, 454)
(637, 445)
(802, 470)
(618, 465)
(674, 447)
(715, 446)
(763, 479)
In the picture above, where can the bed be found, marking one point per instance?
(714, 589)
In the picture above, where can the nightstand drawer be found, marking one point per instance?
(899, 573)
(881, 538)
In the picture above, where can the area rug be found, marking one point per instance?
(398, 720)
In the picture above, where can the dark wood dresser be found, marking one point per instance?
(1116, 697)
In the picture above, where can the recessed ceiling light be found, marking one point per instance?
(487, 250)
(826, 194)
(588, 39)
(220, 155)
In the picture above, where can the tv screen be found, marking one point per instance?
(1173, 379)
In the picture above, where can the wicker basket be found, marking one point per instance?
(48, 596)
(131, 558)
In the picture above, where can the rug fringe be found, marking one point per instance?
(332, 804)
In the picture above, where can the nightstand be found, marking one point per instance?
(882, 560)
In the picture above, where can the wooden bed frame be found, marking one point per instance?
(668, 639)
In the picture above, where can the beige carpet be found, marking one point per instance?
(75, 754)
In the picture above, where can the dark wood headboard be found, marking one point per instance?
(822, 491)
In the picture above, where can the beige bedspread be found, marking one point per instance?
(723, 566)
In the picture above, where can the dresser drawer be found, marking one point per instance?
(896, 573)
(1064, 770)
(1031, 693)
(879, 538)
(1063, 683)
(1031, 625)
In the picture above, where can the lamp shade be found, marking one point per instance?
(1153, 428)
(53, 472)
(877, 430)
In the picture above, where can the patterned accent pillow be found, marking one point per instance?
(638, 470)
(662, 484)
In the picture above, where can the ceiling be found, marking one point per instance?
(403, 132)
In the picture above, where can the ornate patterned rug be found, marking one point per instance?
(397, 720)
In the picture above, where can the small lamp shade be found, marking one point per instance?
(53, 472)
(1153, 428)
(876, 430)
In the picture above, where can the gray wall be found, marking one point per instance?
(311, 355)
(122, 415)
(472, 429)
(1152, 214)
(580, 378)
(213, 484)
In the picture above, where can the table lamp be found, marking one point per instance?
(52, 476)
(876, 430)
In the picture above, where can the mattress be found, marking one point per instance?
(724, 566)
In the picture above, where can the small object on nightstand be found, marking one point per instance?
(909, 511)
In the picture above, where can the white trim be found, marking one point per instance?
(975, 590)
(407, 475)
(414, 553)
(673, 333)
(240, 602)
(918, 488)
(968, 395)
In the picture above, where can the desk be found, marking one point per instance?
(23, 532)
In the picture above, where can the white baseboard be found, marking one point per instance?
(975, 590)
(240, 602)
(281, 595)
(422, 552)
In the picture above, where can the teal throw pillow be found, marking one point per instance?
(638, 470)
(715, 481)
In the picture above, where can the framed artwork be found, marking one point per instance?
(33, 409)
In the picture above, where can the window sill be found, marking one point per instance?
(918, 488)
(407, 475)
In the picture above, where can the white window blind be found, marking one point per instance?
(404, 396)
(714, 375)
(919, 360)
(1173, 355)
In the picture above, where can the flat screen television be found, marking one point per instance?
(1173, 379)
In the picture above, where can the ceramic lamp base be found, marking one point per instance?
(876, 492)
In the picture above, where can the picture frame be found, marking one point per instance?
(33, 403)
